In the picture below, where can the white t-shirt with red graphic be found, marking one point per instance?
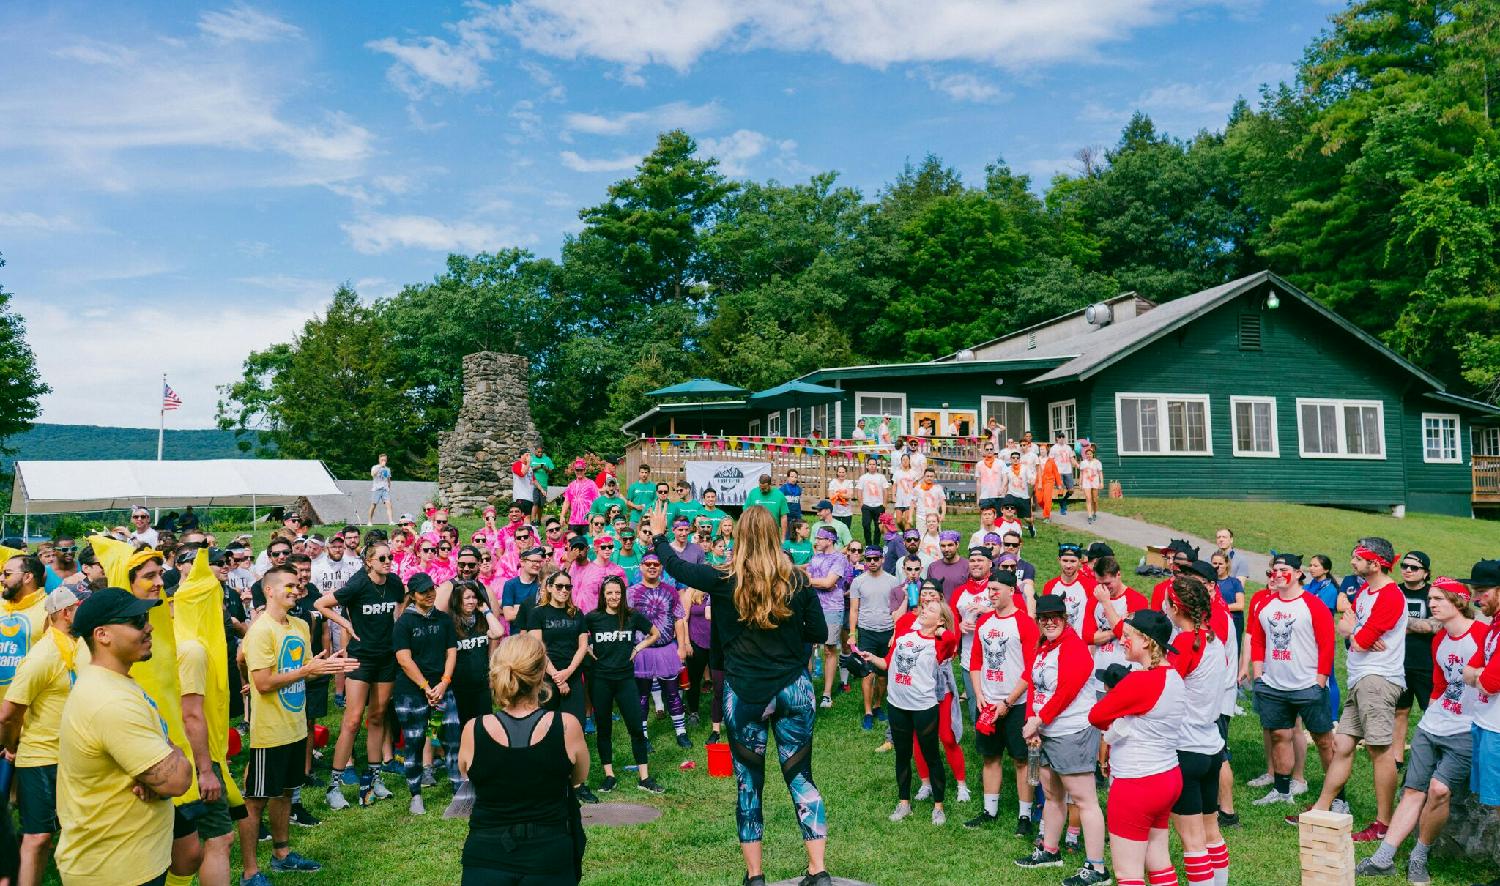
(872, 488)
(1379, 615)
(1002, 651)
(989, 481)
(1110, 652)
(912, 666)
(1487, 699)
(1292, 638)
(1059, 673)
(1076, 596)
(1453, 702)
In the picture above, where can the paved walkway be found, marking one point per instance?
(1139, 533)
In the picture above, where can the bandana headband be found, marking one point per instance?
(948, 535)
(1365, 553)
(1454, 587)
(144, 555)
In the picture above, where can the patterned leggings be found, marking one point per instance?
(670, 693)
(413, 713)
(790, 714)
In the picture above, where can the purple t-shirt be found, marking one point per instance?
(949, 575)
(824, 565)
(700, 629)
(661, 606)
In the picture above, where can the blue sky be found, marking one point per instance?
(181, 184)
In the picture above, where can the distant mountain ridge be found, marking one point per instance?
(83, 442)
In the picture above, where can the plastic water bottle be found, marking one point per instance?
(1034, 765)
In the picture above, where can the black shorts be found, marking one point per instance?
(273, 772)
(1200, 783)
(375, 669)
(525, 504)
(1224, 734)
(1006, 739)
(875, 642)
(182, 825)
(317, 698)
(1280, 708)
(1418, 689)
(36, 795)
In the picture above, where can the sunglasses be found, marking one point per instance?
(486, 559)
(279, 553)
(874, 559)
(553, 530)
(563, 584)
(606, 547)
(70, 549)
(441, 522)
(384, 558)
(429, 550)
(468, 564)
(1403, 565)
(135, 621)
(1010, 544)
(238, 559)
(446, 548)
(597, 524)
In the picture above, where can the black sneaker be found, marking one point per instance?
(683, 741)
(983, 819)
(1088, 876)
(1040, 858)
(585, 795)
(650, 786)
(608, 784)
(265, 833)
(821, 878)
(1024, 827)
(757, 880)
(713, 738)
(1229, 819)
(303, 818)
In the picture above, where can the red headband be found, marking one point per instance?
(1365, 553)
(1452, 586)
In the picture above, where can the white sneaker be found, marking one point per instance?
(902, 811)
(963, 793)
(923, 793)
(939, 817)
(379, 790)
(1272, 797)
(1264, 780)
(336, 799)
(1298, 788)
(1340, 806)
(417, 807)
(826, 703)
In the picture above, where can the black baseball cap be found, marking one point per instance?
(1100, 549)
(1292, 560)
(110, 606)
(419, 583)
(1203, 570)
(578, 541)
(1154, 624)
(1485, 574)
(1051, 604)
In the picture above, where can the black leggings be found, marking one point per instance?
(697, 663)
(621, 692)
(1200, 783)
(869, 522)
(573, 702)
(474, 699)
(924, 726)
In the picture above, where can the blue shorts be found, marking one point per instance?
(1484, 766)
(380, 495)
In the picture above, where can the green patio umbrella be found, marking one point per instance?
(702, 387)
(794, 394)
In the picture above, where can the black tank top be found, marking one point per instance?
(524, 783)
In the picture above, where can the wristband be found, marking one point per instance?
(425, 686)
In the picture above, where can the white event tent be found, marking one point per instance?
(64, 487)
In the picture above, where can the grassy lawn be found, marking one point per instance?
(1453, 543)
(694, 840)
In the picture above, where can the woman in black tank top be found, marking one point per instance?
(523, 761)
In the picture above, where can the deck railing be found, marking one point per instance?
(1486, 472)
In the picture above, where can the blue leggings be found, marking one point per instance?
(790, 714)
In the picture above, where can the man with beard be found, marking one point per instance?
(1483, 672)
(23, 612)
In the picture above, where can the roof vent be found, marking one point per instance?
(1098, 314)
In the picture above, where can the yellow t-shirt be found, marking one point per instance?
(192, 667)
(42, 683)
(111, 733)
(20, 627)
(278, 717)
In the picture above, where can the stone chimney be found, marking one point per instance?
(494, 427)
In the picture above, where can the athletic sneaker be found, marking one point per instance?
(588, 725)
(713, 737)
(294, 862)
(902, 811)
(336, 799)
(1040, 858)
(683, 741)
(381, 791)
(757, 880)
(1341, 807)
(585, 795)
(939, 817)
(303, 818)
(350, 776)
(1229, 819)
(1373, 832)
(650, 786)
(868, 722)
(1264, 780)
(265, 833)
(923, 793)
(821, 878)
(963, 793)
(1088, 876)
(608, 784)
(1298, 788)
(826, 703)
(1416, 873)
(1272, 797)
(981, 820)
(429, 778)
(416, 806)
(880, 714)
(1024, 827)
(260, 879)
(694, 720)
(1368, 868)
(884, 747)
(393, 767)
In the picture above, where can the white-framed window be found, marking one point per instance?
(753, 428)
(1252, 422)
(1340, 428)
(1163, 424)
(1440, 438)
(773, 424)
(794, 422)
(1062, 416)
(1484, 441)
(872, 406)
(1011, 411)
(820, 421)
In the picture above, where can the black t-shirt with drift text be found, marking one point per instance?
(473, 655)
(371, 609)
(559, 633)
(428, 638)
(612, 643)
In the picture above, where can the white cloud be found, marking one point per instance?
(528, 121)
(553, 91)
(673, 115)
(621, 163)
(425, 62)
(960, 87)
(242, 23)
(735, 151)
(1184, 107)
(38, 223)
(373, 234)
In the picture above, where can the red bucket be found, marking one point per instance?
(320, 735)
(719, 763)
(235, 744)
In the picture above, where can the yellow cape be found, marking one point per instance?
(198, 615)
(156, 675)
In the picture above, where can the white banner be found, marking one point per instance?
(732, 480)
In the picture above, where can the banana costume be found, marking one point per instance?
(198, 614)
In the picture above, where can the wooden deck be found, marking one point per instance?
(1486, 470)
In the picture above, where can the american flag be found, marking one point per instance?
(169, 398)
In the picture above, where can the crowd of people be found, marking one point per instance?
(135, 661)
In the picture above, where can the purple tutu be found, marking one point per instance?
(659, 662)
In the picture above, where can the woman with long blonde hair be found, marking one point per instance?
(523, 761)
(765, 614)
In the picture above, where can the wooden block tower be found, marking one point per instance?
(1327, 848)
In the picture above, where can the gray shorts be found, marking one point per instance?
(379, 495)
(1280, 708)
(1073, 754)
(835, 630)
(1445, 758)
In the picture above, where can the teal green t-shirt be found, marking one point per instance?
(800, 551)
(714, 515)
(685, 509)
(602, 503)
(643, 495)
(542, 467)
(773, 501)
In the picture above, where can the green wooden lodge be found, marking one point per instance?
(1247, 390)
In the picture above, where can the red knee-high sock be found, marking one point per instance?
(1163, 877)
(1128, 881)
(1218, 856)
(1197, 867)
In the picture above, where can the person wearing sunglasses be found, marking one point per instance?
(556, 621)
(589, 577)
(370, 597)
(23, 611)
(141, 531)
(578, 497)
(117, 771)
(520, 592)
(875, 601)
(657, 666)
(1415, 582)
(64, 564)
(426, 553)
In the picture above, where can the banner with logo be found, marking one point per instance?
(733, 480)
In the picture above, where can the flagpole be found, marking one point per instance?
(161, 432)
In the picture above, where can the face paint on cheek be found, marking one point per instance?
(1128, 644)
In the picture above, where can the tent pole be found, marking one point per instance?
(26, 522)
(252, 513)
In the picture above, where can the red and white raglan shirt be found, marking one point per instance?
(1076, 596)
(1059, 672)
(1203, 673)
(1486, 710)
(1222, 626)
(1379, 615)
(1003, 647)
(1111, 651)
(1148, 708)
(912, 666)
(1293, 639)
(1451, 711)
(970, 600)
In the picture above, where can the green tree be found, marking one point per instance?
(21, 386)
